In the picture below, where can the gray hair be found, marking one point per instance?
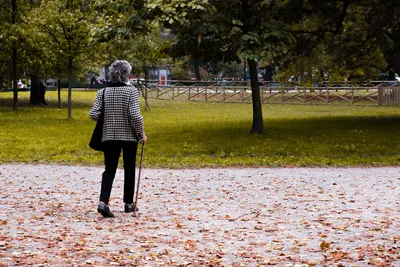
(119, 71)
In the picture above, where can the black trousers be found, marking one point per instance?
(112, 152)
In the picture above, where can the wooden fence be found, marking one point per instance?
(240, 92)
(389, 96)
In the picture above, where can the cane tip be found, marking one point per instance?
(134, 214)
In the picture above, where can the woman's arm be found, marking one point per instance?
(136, 117)
(95, 112)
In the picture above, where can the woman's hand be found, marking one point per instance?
(144, 140)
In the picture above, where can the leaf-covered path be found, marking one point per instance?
(202, 217)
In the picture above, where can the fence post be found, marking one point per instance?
(223, 96)
(381, 95)
(327, 95)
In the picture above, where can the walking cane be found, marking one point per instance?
(138, 182)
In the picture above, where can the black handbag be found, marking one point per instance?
(95, 142)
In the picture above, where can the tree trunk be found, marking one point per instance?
(14, 59)
(70, 60)
(391, 54)
(106, 73)
(393, 60)
(2, 82)
(196, 69)
(35, 98)
(244, 74)
(269, 72)
(144, 91)
(59, 92)
(244, 70)
(258, 124)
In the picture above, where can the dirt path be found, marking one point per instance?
(203, 217)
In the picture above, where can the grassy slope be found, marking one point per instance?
(195, 134)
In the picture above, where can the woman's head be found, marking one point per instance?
(119, 71)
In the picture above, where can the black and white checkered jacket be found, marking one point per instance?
(122, 118)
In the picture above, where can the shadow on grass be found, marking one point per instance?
(333, 136)
(333, 125)
(292, 127)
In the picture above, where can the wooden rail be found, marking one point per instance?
(240, 92)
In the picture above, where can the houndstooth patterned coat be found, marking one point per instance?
(122, 118)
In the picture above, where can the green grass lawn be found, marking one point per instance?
(198, 134)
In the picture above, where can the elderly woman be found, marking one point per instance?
(123, 129)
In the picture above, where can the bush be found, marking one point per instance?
(179, 73)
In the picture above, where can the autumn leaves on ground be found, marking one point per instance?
(203, 217)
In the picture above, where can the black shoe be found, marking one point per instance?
(104, 210)
(129, 208)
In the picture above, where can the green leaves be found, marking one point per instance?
(70, 30)
(176, 11)
(148, 50)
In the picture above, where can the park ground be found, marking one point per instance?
(202, 217)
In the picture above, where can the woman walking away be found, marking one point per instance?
(123, 129)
